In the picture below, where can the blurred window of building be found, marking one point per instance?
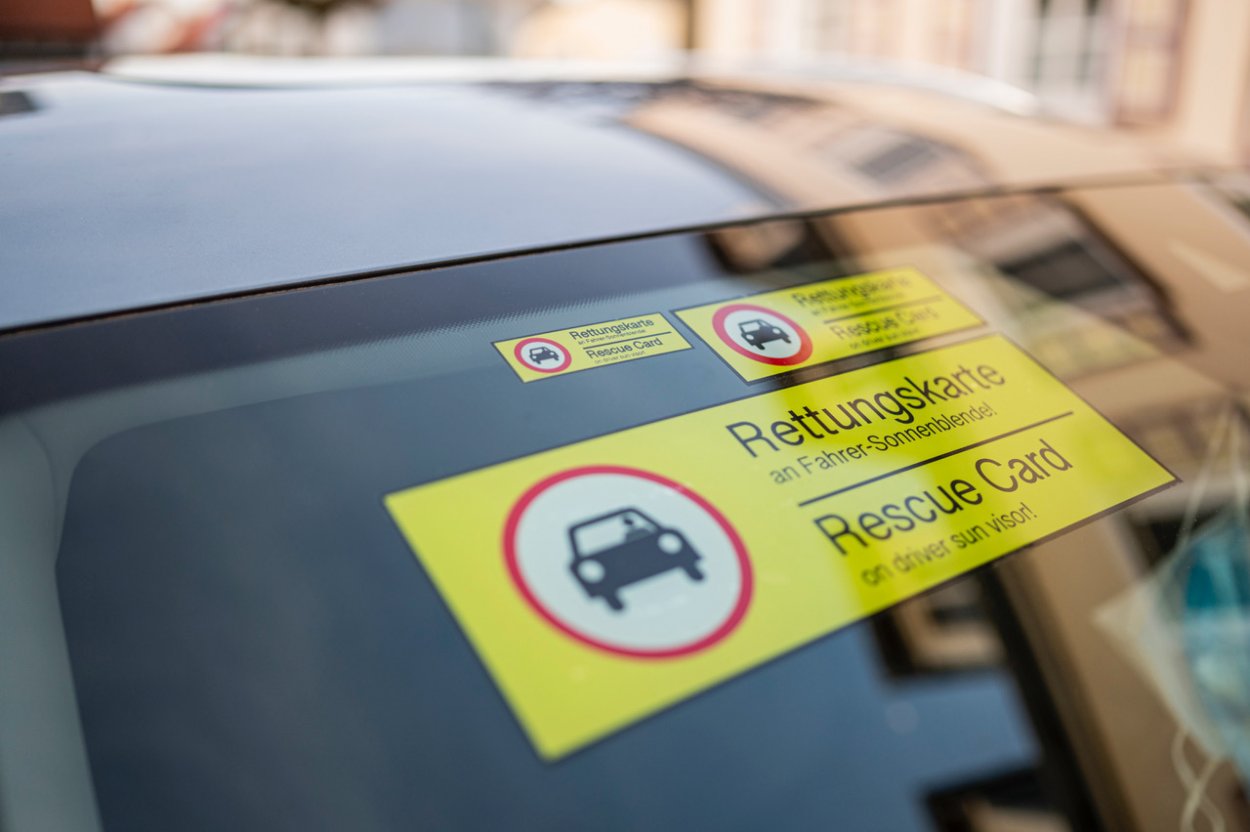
(954, 38)
(1069, 53)
(849, 27)
(601, 30)
(1150, 52)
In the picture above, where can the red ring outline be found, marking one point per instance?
(805, 340)
(563, 350)
(514, 570)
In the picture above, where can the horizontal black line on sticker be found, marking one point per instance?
(589, 347)
(917, 302)
(933, 459)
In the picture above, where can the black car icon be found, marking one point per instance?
(541, 353)
(623, 547)
(757, 332)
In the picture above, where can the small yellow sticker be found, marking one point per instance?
(778, 332)
(605, 580)
(566, 351)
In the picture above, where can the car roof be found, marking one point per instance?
(125, 192)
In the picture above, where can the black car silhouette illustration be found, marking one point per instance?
(540, 354)
(757, 332)
(623, 547)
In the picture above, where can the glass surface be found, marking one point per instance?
(252, 645)
(595, 536)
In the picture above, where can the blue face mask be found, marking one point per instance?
(1215, 620)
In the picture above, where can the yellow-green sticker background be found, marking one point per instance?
(837, 318)
(567, 694)
(599, 344)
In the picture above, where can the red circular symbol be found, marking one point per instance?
(764, 331)
(542, 355)
(714, 632)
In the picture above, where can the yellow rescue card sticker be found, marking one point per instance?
(566, 351)
(785, 330)
(605, 580)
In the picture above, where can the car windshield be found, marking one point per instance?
(303, 559)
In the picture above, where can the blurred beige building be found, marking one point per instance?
(1172, 65)
(601, 30)
(1179, 67)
